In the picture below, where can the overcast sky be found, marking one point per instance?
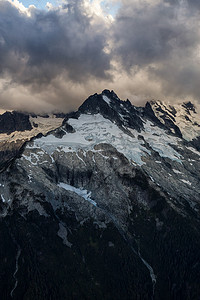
(54, 55)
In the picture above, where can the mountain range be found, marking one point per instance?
(101, 203)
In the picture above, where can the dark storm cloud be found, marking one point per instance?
(146, 34)
(37, 48)
(163, 38)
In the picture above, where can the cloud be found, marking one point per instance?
(162, 38)
(53, 59)
(37, 48)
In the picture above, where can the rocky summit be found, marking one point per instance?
(101, 203)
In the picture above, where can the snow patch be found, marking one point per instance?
(62, 233)
(16, 270)
(161, 142)
(177, 171)
(83, 193)
(3, 199)
(106, 99)
(186, 181)
(193, 150)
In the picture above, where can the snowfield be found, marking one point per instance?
(91, 130)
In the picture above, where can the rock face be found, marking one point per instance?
(17, 128)
(14, 121)
(123, 113)
(104, 207)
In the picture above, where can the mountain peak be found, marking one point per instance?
(95, 102)
(110, 94)
(111, 107)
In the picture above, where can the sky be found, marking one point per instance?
(54, 54)
(110, 6)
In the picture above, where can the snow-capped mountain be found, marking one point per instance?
(16, 128)
(106, 206)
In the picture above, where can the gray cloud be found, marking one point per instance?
(163, 39)
(192, 3)
(53, 60)
(152, 33)
(38, 48)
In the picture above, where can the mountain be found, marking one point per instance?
(16, 128)
(105, 206)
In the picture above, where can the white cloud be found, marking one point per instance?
(19, 5)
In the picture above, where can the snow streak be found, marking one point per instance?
(16, 270)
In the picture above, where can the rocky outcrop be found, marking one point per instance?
(14, 121)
